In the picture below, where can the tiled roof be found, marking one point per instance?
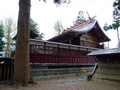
(104, 52)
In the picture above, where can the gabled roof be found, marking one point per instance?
(82, 28)
(32, 35)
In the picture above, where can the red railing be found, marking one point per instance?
(46, 58)
(51, 52)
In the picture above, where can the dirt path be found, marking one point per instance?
(58, 84)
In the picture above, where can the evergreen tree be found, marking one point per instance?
(58, 27)
(80, 18)
(106, 27)
(116, 19)
(35, 27)
(1, 36)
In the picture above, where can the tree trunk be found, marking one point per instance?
(118, 38)
(21, 63)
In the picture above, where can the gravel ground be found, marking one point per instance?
(58, 84)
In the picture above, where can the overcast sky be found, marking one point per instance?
(46, 14)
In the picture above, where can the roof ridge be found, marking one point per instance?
(77, 25)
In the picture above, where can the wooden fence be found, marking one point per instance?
(6, 69)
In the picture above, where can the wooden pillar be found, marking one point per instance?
(70, 42)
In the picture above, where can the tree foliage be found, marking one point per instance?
(1, 37)
(106, 27)
(79, 18)
(35, 27)
(116, 19)
(117, 4)
(59, 2)
(9, 27)
(116, 14)
(58, 27)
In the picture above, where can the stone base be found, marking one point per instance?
(53, 76)
(109, 72)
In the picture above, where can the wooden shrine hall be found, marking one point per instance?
(72, 46)
(87, 33)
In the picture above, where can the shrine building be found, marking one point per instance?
(71, 46)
